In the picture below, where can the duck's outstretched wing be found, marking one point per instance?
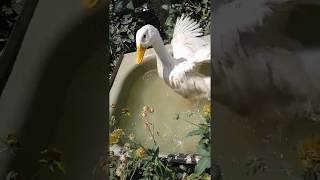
(187, 43)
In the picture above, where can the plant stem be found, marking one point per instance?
(192, 123)
(135, 168)
(155, 143)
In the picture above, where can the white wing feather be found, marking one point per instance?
(186, 42)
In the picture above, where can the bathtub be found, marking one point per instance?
(56, 94)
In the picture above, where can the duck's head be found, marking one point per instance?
(145, 38)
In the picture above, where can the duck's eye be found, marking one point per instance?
(144, 36)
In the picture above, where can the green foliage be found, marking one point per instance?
(123, 25)
(195, 176)
(146, 165)
(152, 166)
(204, 162)
(204, 149)
(138, 162)
(199, 10)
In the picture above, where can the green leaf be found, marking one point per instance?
(177, 116)
(60, 166)
(131, 36)
(157, 151)
(165, 7)
(202, 165)
(203, 152)
(130, 5)
(118, 6)
(159, 170)
(195, 132)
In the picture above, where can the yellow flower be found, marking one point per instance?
(140, 152)
(115, 136)
(126, 111)
(206, 110)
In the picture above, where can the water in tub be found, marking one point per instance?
(168, 119)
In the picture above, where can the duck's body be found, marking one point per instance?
(179, 71)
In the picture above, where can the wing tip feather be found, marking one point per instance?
(187, 25)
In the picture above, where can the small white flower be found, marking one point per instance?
(118, 172)
(123, 158)
(188, 159)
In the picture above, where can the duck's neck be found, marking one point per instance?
(164, 59)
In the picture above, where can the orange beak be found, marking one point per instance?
(140, 53)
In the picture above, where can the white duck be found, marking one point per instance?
(189, 50)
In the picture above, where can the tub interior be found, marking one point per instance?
(143, 87)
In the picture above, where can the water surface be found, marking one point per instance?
(170, 111)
